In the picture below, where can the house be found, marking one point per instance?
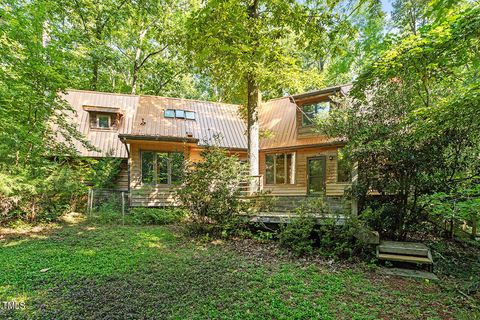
(155, 134)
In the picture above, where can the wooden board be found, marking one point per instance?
(404, 258)
(403, 248)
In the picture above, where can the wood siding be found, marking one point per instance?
(159, 195)
(121, 182)
(333, 188)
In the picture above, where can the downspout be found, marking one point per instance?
(128, 168)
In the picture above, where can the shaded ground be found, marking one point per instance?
(105, 272)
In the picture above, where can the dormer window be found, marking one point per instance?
(179, 114)
(104, 118)
(310, 111)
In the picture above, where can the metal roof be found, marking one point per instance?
(278, 120)
(212, 119)
(143, 119)
(106, 141)
(330, 90)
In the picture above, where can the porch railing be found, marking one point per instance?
(252, 185)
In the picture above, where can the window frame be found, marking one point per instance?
(304, 116)
(109, 121)
(169, 110)
(155, 167)
(179, 111)
(290, 176)
(191, 113)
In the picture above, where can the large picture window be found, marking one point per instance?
(280, 168)
(310, 111)
(161, 167)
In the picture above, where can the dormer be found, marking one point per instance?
(104, 118)
(309, 106)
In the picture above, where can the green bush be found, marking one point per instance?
(297, 234)
(210, 192)
(156, 216)
(109, 212)
(303, 237)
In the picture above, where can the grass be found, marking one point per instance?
(90, 271)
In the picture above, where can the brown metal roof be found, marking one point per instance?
(212, 119)
(143, 118)
(278, 118)
(106, 141)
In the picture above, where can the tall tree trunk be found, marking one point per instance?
(138, 53)
(254, 101)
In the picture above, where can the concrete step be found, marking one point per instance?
(400, 272)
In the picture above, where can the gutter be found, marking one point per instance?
(312, 94)
(307, 146)
(125, 137)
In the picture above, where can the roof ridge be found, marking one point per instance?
(193, 100)
(103, 92)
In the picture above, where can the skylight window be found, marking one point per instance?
(169, 113)
(190, 115)
(179, 114)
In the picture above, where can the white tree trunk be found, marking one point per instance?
(254, 101)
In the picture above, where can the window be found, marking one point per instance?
(161, 167)
(103, 121)
(344, 171)
(280, 168)
(312, 110)
(179, 114)
(169, 113)
(190, 115)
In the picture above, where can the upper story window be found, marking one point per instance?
(179, 114)
(310, 111)
(105, 118)
(280, 168)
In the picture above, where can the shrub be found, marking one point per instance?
(210, 192)
(334, 240)
(108, 212)
(297, 234)
(156, 216)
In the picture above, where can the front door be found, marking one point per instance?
(316, 175)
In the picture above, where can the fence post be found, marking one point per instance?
(123, 208)
(91, 202)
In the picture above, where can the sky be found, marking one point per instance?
(387, 6)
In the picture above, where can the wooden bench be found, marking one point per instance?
(409, 252)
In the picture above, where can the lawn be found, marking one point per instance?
(88, 271)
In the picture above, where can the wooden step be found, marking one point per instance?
(403, 248)
(404, 258)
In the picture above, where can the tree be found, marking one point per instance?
(251, 46)
(410, 15)
(412, 118)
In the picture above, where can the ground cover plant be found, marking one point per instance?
(91, 271)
